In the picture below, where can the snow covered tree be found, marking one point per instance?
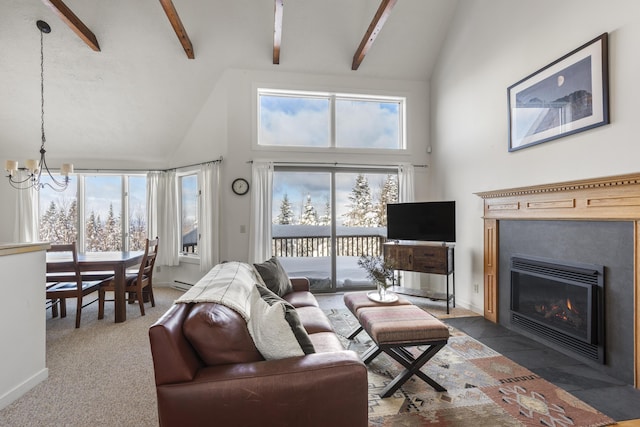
(325, 218)
(92, 233)
(112, 237)
(286, 216)
(388, 194)
(361, 212)
(309, 214)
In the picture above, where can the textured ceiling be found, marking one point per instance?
(140, 93)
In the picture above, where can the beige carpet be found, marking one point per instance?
(102, 373)
(99, 375)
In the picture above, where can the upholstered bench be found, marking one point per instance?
(357, 300)
(393, 328)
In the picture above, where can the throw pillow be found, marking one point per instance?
(275, 327)
(274, 276)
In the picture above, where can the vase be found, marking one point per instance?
(382, 291)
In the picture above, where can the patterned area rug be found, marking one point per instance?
(484, 388)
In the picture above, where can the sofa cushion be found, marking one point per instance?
(314, 320)
(276, 328)
(219, 335)
(301, 299)
(326, 342)
(274, 276)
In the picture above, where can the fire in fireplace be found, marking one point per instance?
(560, 302)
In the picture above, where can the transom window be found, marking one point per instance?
(330, 120)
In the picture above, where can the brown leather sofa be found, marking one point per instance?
(208, 372)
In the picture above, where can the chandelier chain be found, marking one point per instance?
(42, 87)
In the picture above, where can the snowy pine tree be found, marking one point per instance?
(361, 212)
(325, 218)
(309, 214)
(286, 212)
(388, 194)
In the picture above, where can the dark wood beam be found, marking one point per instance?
(277, 30)
(176, 23)
(74, 23)
(372, 32)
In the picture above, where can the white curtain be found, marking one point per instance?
(209, 216)
(26, 224)
(164, 220)
(406, 193)
(260, 231)
(406, 183)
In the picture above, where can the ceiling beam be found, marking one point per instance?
(277, 30)
(372, 32)
(176, 23)
(74, 23)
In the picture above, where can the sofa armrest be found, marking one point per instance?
(300, 284)
(173, 356)
(321, 389)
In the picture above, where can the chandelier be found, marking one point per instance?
(34, 168)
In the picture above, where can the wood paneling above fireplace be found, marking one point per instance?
(599, 199)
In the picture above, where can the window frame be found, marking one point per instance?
(81, 207)
(182, 256)
(331, 97)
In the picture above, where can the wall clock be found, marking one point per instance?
(240, 186)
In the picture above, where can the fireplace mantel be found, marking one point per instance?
(600, 199)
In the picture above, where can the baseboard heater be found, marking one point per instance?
(181, 286)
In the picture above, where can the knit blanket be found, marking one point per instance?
(229, 284)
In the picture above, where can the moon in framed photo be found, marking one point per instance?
(560, 80)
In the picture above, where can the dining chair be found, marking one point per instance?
(137, 285)
(72, 286)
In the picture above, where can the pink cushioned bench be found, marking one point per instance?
(393, 328)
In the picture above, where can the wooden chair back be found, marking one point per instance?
(67, 264)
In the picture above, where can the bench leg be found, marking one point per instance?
(371, 354)
(412, 365)
(353, 334)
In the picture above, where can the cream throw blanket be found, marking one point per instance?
(230, 284)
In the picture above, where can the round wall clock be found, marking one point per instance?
(240, 186)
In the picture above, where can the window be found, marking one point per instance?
(95, 219)
(324, 219)
(324, 120)
(189, 214)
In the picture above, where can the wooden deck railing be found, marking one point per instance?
(314, 246)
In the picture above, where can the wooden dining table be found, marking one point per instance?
(116, 262)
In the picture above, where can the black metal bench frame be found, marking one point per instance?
(412, 364)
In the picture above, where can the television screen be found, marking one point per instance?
(426, 221)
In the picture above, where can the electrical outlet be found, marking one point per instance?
(476, 288)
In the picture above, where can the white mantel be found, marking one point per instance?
(22, 319)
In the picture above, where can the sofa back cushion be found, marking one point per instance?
(219, 335)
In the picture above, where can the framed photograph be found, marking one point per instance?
(569, 95)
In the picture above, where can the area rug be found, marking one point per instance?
(484, 388)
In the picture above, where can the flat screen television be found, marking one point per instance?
(424, 221)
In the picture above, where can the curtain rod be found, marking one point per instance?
(218, 160)
(338, 164)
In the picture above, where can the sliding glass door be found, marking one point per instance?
(324, 219)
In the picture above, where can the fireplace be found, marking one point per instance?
(562, 302)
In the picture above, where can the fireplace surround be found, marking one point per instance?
(580, 205)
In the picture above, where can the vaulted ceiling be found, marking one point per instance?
(140, 92)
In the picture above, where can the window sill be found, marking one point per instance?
(189, 259)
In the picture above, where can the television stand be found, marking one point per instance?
(431, 259)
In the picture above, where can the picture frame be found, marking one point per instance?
(568, 96)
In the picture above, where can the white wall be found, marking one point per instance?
(22, 322)
(490, 46)
(234, 99)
